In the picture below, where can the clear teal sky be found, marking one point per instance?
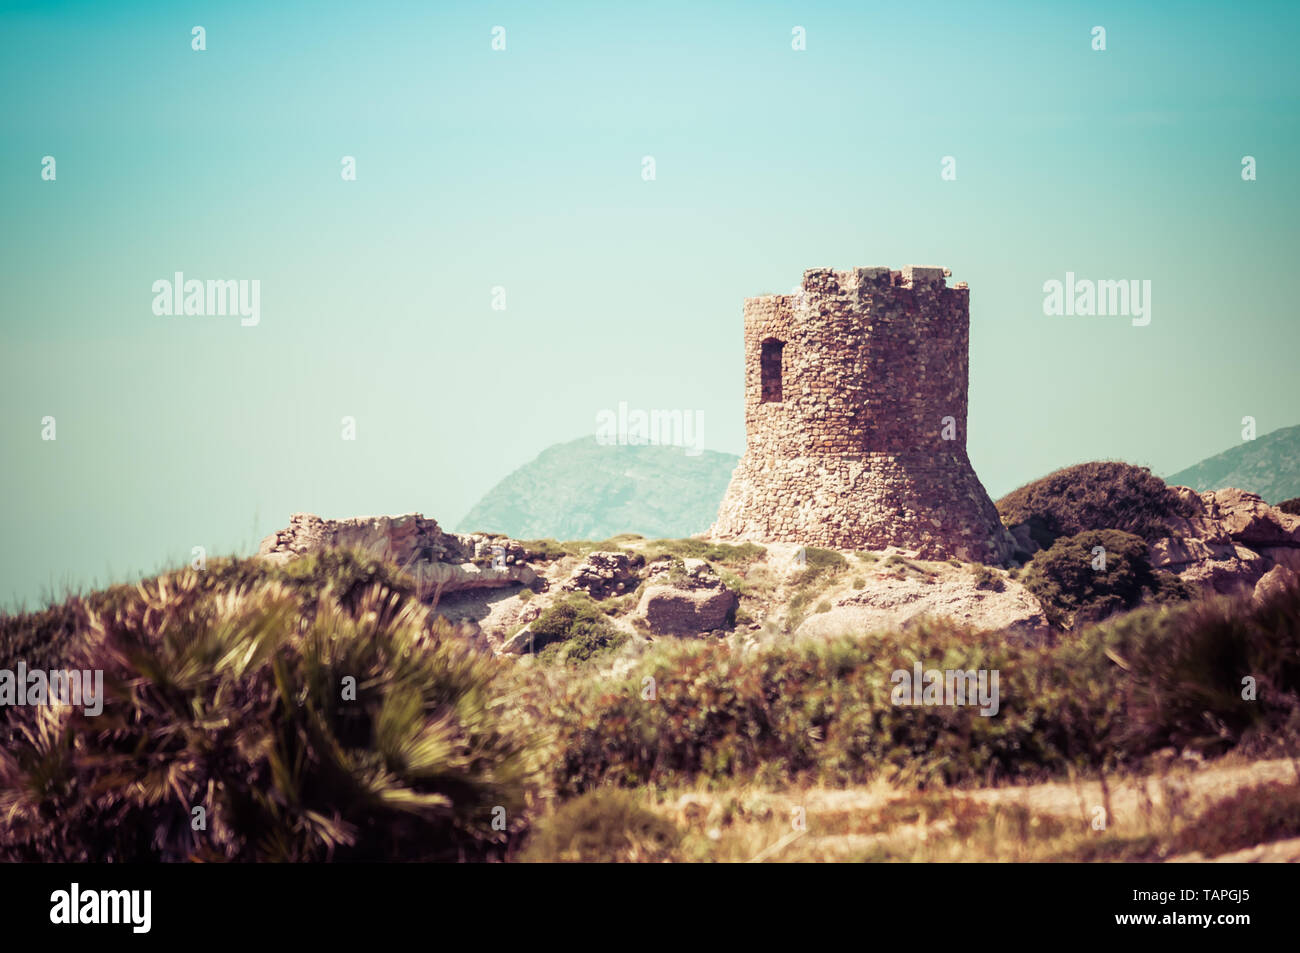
(523, 169)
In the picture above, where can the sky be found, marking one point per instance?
(523, 169)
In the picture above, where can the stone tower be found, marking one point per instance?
(855, 418)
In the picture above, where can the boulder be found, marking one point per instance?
(1274, 581)
(891, 602)
(520, 642)
(669, 610)
(688, 601)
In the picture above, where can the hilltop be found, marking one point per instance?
(586, 490)
(1268, 465)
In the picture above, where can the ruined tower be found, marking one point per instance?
(855, 418)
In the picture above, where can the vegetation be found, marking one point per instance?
(819, 564)
(1290, 506)
(820, 712)
(574, 629)
(1094, 496)
(727, 554)
(604, 826)
(1256, 815)
(261, 722)
(227, 693)
(883, 825)
(986, 578)
(1091, 575)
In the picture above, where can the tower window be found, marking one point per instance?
(770, 363)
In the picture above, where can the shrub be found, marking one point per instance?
(820, 711)
(603, 826)
(819, 564)
(986, 578)
(232, 700)
(1291, 506)
(1094, 496)
(543, 549)
(1067, 585)
(1186, 665)
(580, 624)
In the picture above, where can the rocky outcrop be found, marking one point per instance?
(1231, 542)
(401, 539)
(686, 599)
(439, 562)
(604, 574)
(890, 602)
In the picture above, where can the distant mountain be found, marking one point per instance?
(1268, 465)
(585, 490)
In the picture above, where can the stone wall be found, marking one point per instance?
(866, 445)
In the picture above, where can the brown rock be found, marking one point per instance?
(1248, 519)
(1274, 581)
(672, 611)
(687, 602)
(605, 574)
(888, 602)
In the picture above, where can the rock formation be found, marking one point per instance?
(1232, 542)
(890, 602)
(440, 562)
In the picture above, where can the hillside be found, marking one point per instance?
(1268, 465)
(583, 490)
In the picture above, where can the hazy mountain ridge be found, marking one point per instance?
(1268, 465)
(586, 490)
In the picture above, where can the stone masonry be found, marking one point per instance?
(855, 418)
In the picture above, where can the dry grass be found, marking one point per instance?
(1151, 817)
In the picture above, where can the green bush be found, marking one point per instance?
(232, 699)
(820, 712)
(1071, 590)
(574, 629)
(1094, 496)
(543, 549)
(603, 826)
(44, 639)
(986, 578)
(819, 564)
